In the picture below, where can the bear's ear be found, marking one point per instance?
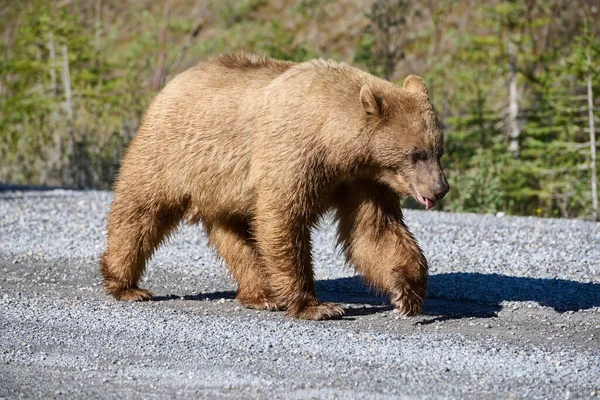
(415, 84)
(372, 104)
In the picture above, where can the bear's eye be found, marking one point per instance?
(418, 155)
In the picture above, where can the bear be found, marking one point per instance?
(257, 150)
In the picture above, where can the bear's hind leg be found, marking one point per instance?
(134, 232)
(283, 241)
(377, 242)
(233, 243)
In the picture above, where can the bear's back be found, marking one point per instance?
(251, 63)
(235, 73)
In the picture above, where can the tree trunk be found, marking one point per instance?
(513, 106)
(57, 156)
(159, 74)
(66, 80)
(192, 34)
(590, 98)
(52, 54)
(98, 42)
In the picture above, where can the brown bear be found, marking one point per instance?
(258, 150)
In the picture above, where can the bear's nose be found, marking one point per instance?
(441, 189)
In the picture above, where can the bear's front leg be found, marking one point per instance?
(283, 241)
(379, 245)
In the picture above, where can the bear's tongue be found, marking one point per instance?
(425, 201)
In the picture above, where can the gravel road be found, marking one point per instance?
(513, 312)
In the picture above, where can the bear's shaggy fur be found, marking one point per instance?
(257, 150)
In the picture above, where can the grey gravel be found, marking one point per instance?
(513, 311)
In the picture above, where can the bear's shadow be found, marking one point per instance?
(452, 295)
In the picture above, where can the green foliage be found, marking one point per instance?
(366, 55)
(551, 177)
(380, 49)
(458, 47)
(232, 12)
(282, 45)
(41, 140)
(478, 186)
(314, 9)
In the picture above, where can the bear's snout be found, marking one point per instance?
(441, 189)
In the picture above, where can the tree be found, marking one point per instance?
(581, 66)
(160, 72)
(381, 47)
(506, 77)
(590, 96)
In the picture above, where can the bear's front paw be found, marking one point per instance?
(408, 302)
(319, 311)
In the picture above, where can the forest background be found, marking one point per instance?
(514, 83)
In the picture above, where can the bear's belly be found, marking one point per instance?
(221, 201)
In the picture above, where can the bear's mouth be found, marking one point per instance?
(428, 203)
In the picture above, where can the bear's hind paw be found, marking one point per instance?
(408, 303)
(133, 294)
(320, 311)
(259, 303)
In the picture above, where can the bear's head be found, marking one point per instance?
(405, 139)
